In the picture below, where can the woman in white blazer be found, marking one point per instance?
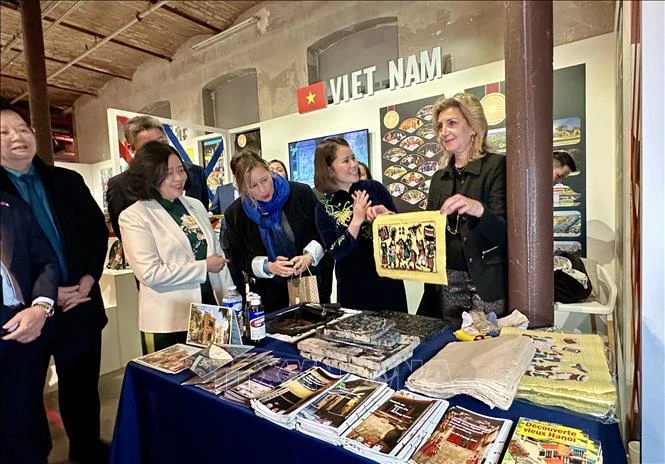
(170, 246)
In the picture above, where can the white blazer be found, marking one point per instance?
(161, 257)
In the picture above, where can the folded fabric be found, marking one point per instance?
(488, 370)
(569, 371)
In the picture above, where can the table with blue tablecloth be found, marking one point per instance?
(161, 421)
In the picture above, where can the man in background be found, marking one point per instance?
(138, 131)
(563, 165)
(29, 290)
(75, 227)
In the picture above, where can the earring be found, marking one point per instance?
(473, 138)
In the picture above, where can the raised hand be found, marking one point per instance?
(462, 205)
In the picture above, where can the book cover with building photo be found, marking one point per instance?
(409, 152)
(209, 324)
(539, 442)
(389, 427)
(464, 436)
(568, 133)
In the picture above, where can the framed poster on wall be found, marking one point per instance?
(410, 152)
(569, 134)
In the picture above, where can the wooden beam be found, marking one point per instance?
(87, 67)
(83, 30)
(54, 86)
(191, 18)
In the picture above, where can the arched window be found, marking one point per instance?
(353, 48)
(231, 100)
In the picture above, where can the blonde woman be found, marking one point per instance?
(470, 190)
(270, 229)
(170, 246)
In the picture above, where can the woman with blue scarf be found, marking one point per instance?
(271, 230)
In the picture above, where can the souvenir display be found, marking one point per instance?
(411, 245)
(419, 155)
(569, 371)
(568, 133)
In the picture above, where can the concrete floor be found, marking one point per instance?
(109, 391)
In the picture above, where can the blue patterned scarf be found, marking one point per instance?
(268, 216)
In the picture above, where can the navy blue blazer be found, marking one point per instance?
(82, 229)
(26, 252)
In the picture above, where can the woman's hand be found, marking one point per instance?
(215, 263)
(374, 211)
(282, 267)
(462, 205)
(302, 262)
(360, 204)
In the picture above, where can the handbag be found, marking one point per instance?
(303, 289)
(567, 288)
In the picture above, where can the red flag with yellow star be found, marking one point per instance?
(313, 97)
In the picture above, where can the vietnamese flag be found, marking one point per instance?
(313, 97)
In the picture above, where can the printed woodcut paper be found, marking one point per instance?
(411, 246)
(569, 371)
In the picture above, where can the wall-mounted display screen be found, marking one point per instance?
(301, 154)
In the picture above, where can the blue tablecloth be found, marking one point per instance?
(160, 421)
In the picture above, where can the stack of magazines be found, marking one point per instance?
(263, 382)
(464, 436)
(364, 344)
(488, 370)
(234, 373)
(396, 426)
(282, 404)
(332, 413)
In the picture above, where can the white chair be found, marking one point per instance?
(602, 306)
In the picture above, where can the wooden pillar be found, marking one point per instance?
(528, 50)
(33, 43)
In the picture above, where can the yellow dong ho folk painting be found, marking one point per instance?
(411, 246)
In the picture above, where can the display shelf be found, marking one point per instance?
(121, 341)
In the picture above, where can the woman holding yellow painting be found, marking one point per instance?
(470, 190)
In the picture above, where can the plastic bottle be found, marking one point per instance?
(233, 300)
(256, 320)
